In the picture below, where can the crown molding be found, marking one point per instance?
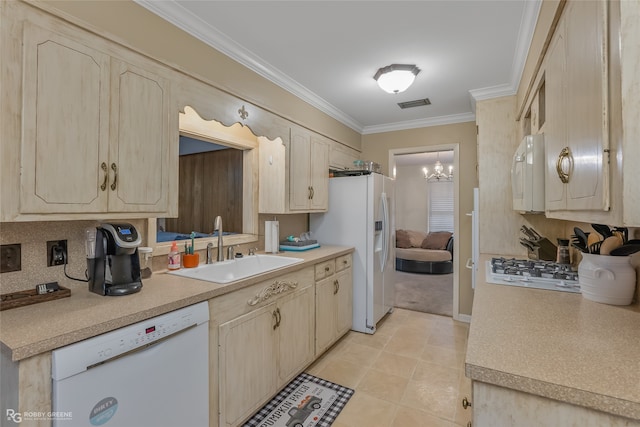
(192, 24)
(420, 123)
(527, 28)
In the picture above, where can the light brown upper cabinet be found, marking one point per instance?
(294, 176)
(577, 121)
(95, 131)
(308, 171)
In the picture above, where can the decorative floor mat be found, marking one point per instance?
(307, 401)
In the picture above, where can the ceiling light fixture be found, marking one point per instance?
(396, 78)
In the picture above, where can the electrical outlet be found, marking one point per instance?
(10, 258)
(57, 252)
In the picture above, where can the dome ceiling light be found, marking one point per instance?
(396, 78)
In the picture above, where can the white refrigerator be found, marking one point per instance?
(361, 214)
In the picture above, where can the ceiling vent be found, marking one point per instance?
(416, 103)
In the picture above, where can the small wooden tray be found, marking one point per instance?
(22, 298)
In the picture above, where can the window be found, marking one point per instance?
(440, 199)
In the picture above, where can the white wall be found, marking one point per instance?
(411, 199)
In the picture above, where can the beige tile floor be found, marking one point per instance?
(410, 373)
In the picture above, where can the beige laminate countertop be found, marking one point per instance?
(556, 345)
(38, 328)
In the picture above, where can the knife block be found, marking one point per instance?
(544, 251)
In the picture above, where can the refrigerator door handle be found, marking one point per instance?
(385, 231)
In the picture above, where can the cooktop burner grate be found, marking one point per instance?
(533, 269)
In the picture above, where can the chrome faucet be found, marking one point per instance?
(217, 226)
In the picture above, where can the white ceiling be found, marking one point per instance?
(326, 52)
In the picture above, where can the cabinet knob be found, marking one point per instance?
(465, 403)
(564, 158)
(326, 268)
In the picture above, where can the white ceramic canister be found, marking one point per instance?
(607, 279)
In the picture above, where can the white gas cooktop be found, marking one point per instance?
(532, 274)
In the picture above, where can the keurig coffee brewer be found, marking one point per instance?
(113, 265)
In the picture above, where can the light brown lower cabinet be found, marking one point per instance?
(265, 337)
(499, 406)
(334, 301)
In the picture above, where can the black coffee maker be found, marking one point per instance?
(113, 264)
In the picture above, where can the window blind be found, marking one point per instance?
(440, 205)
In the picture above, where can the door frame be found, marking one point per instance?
(455, 147)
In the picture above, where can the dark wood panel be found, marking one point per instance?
(210, 184)
(223, 172)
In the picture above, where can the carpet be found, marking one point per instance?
(428, 293)
(307, 401)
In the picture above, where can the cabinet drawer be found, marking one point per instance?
(245, 300)
(325, 269)
(343, 262)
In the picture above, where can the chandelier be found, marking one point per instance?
(438, 173)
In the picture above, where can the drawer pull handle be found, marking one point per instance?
(565, 154)
(275, 288)
(336, 287)
(278, 317)
(103, 166)
(114, 168)
(326, 268)
(465, 403)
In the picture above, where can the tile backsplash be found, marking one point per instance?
(33, 237)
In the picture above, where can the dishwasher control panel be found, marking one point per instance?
(83, 355)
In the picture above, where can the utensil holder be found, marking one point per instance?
(607, 279)
(190, 260)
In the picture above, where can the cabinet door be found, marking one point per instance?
(325, 313)
(295, 332)
(299, 182)
(577, 118)
(555, 137)
(587, 113)
(272, 176)
(139, 154)
(344, 303)
(247, 355)
(319, 170)
(65, 124)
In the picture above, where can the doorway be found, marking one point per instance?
(415, 168)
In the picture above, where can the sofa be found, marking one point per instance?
(424, 253)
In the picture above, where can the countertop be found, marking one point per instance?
(556, 345)
(38, 328)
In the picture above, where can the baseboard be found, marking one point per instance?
(463, 318)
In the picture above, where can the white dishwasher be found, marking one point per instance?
(153, 373)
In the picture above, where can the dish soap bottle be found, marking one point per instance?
(174, 257)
